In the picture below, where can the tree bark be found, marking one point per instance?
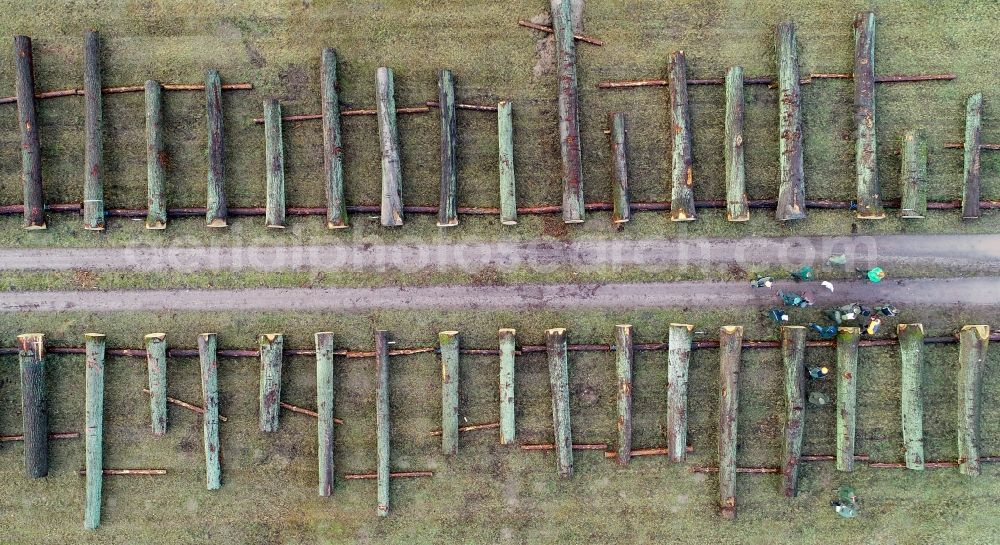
(333, 152)
(623, 364)
(447, 211)
(210, 401)
(791, 191)
(973, 341)
(973, 140)
(382, 417)
(93, 190)
(324, 411)
(508, 192)
(793, 347)
(736, 195)
(156, 366)
(34, 408)
(865, 151)
(94, 429)
(555, 344)
(31, 163)
(679, 355)
(507, 349)
(913, 178)
(730, 347)
(274, 150)
(271, 347)
(682, 173)
(216, 213)
(449, 342)
(569, 109)
(392, 174)
(847, 395)
(619, 170)
(911, 351)
(156, 158)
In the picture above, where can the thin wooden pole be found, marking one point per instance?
(619, 169)
(34, 407)
(973, 140)
(449, 342)
(156, 366)
(793, 347)
(392, 175)
(94, 429)
(271, 346)
(216, 213)
(507, 349)
(156, 158)
(508, 190)
(447, 211)
(974, 341)
(555, 344)
(543, 28)
(911, 352)
(913, 176)
(730, 346)
(324, 410)
(865, 152)
(210, 398)
(333, 152)
(682, 173)
(569, 110)
(847, 395)
(93, 189)
(736, 195)
(623, 364)
(382, 418)
(791, 191)
(275, 153)
(31, 163)
(679, 356)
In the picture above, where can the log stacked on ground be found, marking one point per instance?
(31, 159)
(911, 352)
(682, 173)
(333, 152)
(973, 167)
(623, 366)
(274, 214)
(555, 344)
(793, 349)
(865, 156)
(448, 209)
(507, 349)
(156, 367)
(736, 195)
(508, 190)
(382, 419)
(156, 158)
(34, 407)
(973, 341)
(619, 170)
(913, 176)
(448, 341)
(847, 395)
(679, 357)
(271, 347)
(392, 174)
(324, 410)
(791, 191)
(216, 210)
(569, 109)
(210, 401)
(93, 189)
(730, 347)
(94, 428)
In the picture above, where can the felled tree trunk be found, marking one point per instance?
(448, 209)
(736, 195)
(271, 347)
(34, 407)
(448, 341)
(507, 349)
(847, 395)
(679, 357)
(382, 418)
(791, 191)
(569, 109)
(730, 347)
(31, 162)
(619, 170)
(156, 158)
(623, 365)
(392, 174)
(94, 429)
(324, 410)
(508, 191)
(865, 154)
(793, 348)
(93, 189)
(274, 214)
(973, 141)
(911, 351)
(974, 341)
(216, 210)
(555, 340)
(333, 152)
(913, 178)
(682, 173)
(156, 366)
(210, 401)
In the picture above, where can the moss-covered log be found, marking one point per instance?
(156, 158)
(93, 128)
(736, 195)
(156, 367)
(973, 167)
(555, 344)
(620, 197)
(333, 151)
(274, 214)
(913, 176)
(324, 410)
(507, 349)
(216, 210)
(623, 365)
(382, 418)
(448, 341)
(271, 347)
(679, 357)
(508, 190)
(569, 110)
(682, 173)
(210, 401)
(448, 209)
(911, 351)
(791, 190)
(847, 395)
(793, 349)
(94, 428)
(34, 406)
(31, 158)
(392, 174)
(973, 341)
(865, 152)
(730, 348)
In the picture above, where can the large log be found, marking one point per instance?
(392, 174)
(210, 399)
(324, 411)
(333, 152)
(619, 169)
(911, 352)
(274, 216)
(156, 367)
(730, 347)
(973, 140)
(31, 162)
(508, 191)
(448, 211)
(382, 418)
(569, 110)
(682, 173)
(271, 347)
(93, 189)
(156, 158)
(791, 191)
(555, 345)
(865, 152)
(507, 349)
(623, 364)
(94, 429)
(34, 408)
(793, 348)
(448, 341)
(973, 341)
(679, 356)
(736, 195)
(216, 211)
(913, 176)
(847, 395)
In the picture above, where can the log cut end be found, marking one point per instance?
(901, 328)
(689, 327)
(217, 223)
(156, 225)
(982, 332)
